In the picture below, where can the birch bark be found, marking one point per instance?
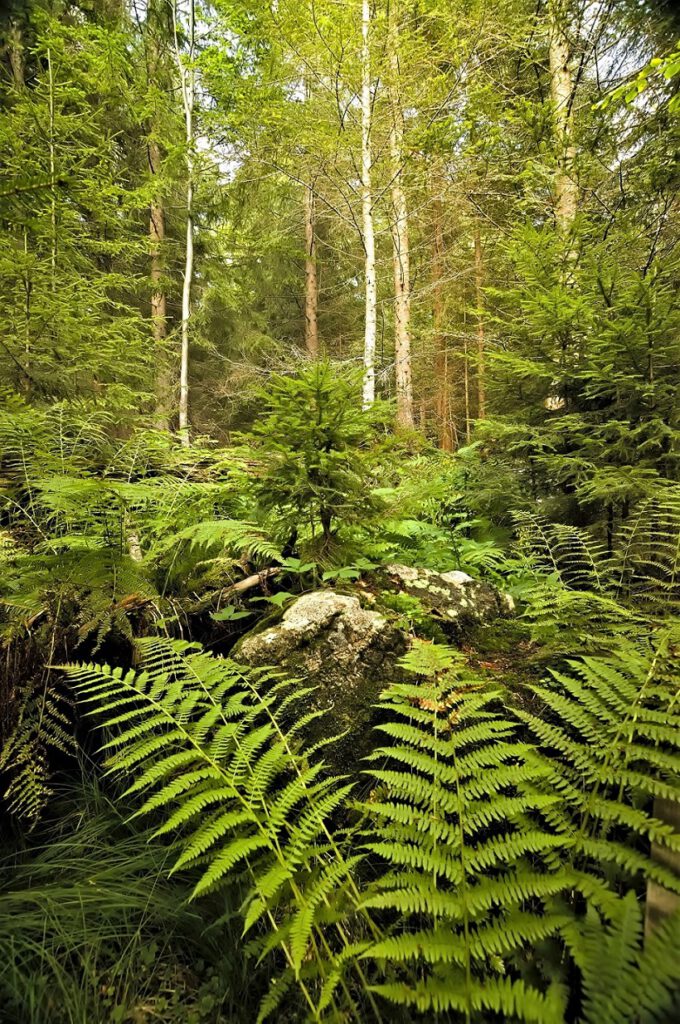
(188, 86)
(400, 238)
(371, 292)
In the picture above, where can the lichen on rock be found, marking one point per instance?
(347, 652)
(350, 653)
(454, 598)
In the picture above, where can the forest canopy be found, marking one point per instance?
(339, 511)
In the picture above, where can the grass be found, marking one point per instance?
(93, 932)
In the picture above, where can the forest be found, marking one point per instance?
(339, 511)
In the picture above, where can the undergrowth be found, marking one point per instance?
(92, 930)
(496, 857)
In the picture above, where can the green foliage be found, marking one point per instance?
(667, 68)
(622, 979)
(318, 452)
(411, 615)
(70, 256)
(92, 930)
(578, 592)
(481, 869)
(459, 829)
(213, 748)
(497, 869)
(613, 732)
(43, 725)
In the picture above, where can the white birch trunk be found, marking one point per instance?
(561, 94)
(479, 298)
(370, 327)
(187, 81)
(400, 241)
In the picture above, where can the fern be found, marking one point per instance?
(643, 568)
(44, 724)
(470, 870)
(611, 727)
(226, 535)
(648, 562)
(212, 748)
(483, 868)
(571, 553)
(96, 590)
(622, 979)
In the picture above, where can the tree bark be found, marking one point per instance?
(400, 239)
(442, 367)
(561, 94)
(371, 292)
(159, 323)
(157, 28)
(311, 281)
(661, 902)
(53, 172)
(479, 299)
(187, 81)
(562, 85)
(466, 389)
(16, 53)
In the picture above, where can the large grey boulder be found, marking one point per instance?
(455, 599)
(349, 653)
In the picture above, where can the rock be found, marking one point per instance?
(454, 598)
(349, 653)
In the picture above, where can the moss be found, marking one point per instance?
(407, 612)
(503, 636)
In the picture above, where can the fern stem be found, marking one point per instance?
(466, 917)
(338, 853)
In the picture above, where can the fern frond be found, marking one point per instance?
(210, 746)
(611, 727)
(44, 725)
(457, 842)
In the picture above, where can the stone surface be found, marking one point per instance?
(349, 653)
(454, 598)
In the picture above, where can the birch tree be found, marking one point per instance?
(188, 88)
(479, 299)
(562, 96)
(370, 283)
(156, 84)
(399, 229)
(311, 279)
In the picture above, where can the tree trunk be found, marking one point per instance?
(441, 366)
(16, 53)
(53, 172)
(479, 299)
(187, 81)
(158, 29)
(186, 315)
(159, 324)
(466, 389)
(311, 282)
(661, 902)
(562, 86)
(561, 93)
(370, 326)
(400, 242)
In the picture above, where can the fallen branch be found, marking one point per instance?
(256, 580)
